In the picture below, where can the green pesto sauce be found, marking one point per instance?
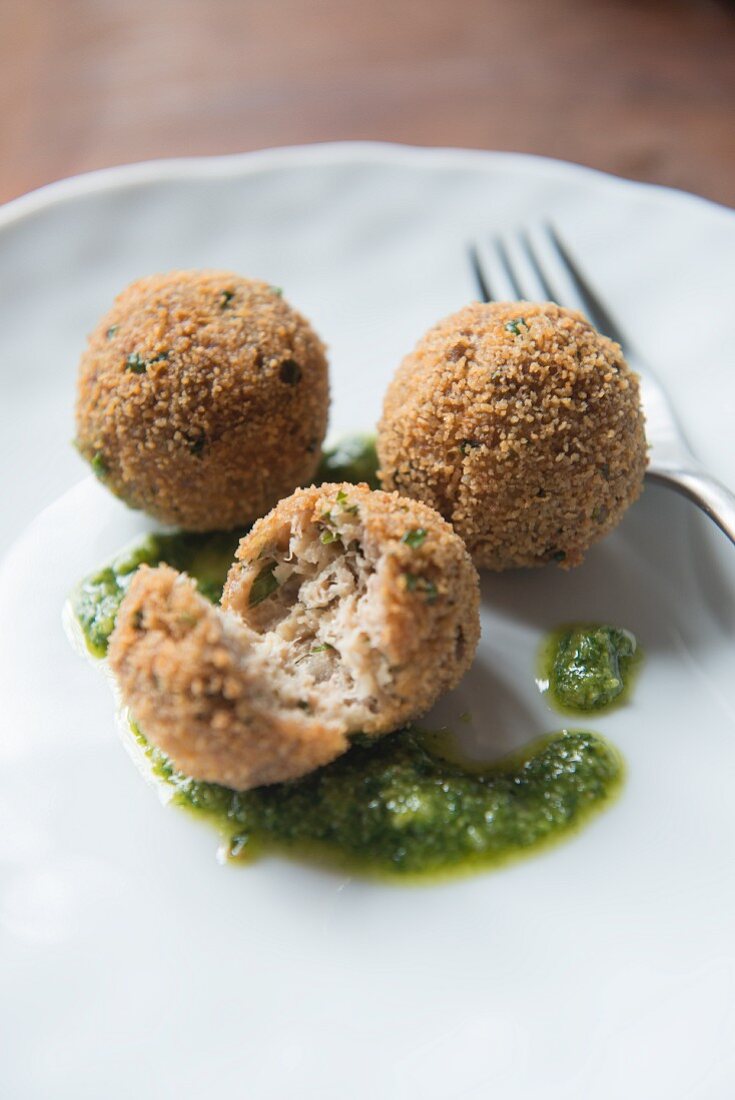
(206, 558)
(588, 666)
(406, 805)
(399, 807)
(353, 458)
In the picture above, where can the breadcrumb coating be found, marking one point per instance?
(253, 692)
(522, 426)
(202, 398)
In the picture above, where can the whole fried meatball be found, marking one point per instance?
(347, 610)
(522, 426)
(202, 398)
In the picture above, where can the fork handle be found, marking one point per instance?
(709, 494)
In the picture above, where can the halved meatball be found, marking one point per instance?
(347, 611)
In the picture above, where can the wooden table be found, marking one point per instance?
(642, 89)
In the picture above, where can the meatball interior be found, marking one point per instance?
(346, 611)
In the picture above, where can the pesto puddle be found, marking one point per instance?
(396, 807)
(588, 667)
(404, 806)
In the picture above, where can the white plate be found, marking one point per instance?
(133, 965)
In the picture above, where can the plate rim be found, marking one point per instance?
(232, 165)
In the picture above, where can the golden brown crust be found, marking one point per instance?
(222, 408)
(527, 436)
(179, 665)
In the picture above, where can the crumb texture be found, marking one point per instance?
(202, 398)
(522, 426)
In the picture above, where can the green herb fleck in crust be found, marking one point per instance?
(414, 537)
(99, 467)
(343, 501)
(135, 364)
(514, 325)
(421, 584)
(138, 365)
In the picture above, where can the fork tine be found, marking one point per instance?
(591, 304)
(510, 271)
(494, 275)
(478, 272)
(554, 276)
(505, 269)
(547, 291)
(534, 265)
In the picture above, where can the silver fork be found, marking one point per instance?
(536, 265)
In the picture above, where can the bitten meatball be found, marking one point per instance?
(202, 398)
(347, 610)
(522, 426)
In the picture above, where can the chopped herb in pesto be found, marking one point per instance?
(514, 325)
(354, 459)
(290, 372)
(264, 585)
(588, 667)
(395, 806)
(328, 536)
(421, 584)
(415, 537)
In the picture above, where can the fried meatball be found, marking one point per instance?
(202, 398)
(347, 610)
(522, 426)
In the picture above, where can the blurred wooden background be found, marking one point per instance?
(642, 89)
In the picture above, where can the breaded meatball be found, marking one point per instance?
(522, 426)
(202, 398)
(347, 610)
